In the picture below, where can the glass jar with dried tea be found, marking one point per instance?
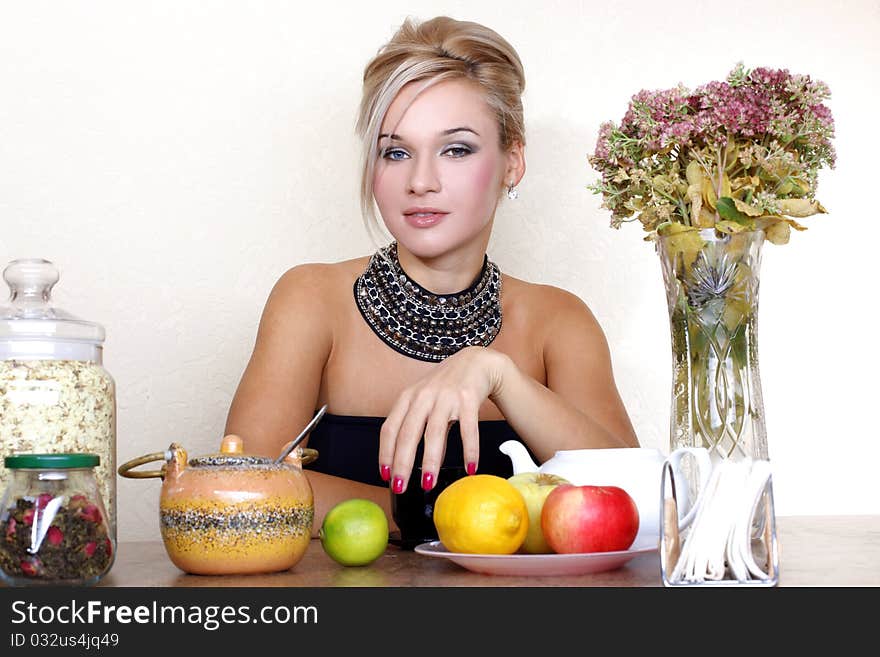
(55, 394)
(53, 524)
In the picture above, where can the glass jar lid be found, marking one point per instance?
(52, 461)
(30, 323)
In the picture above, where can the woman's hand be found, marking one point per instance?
(454, 391)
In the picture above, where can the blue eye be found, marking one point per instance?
(458, 151)
(394, 154)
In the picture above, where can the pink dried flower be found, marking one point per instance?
(54, 535)
(91, 513)
(761, 134)
(89, 548)
(31, 566)
(77, 502)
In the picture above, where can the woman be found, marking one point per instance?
(425, 350)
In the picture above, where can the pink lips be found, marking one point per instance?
(423, 217)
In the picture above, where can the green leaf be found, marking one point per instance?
(727, 209)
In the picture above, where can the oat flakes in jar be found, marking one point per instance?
(55, 395)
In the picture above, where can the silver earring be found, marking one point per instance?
(512, 192)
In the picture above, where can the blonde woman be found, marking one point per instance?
(425, 352)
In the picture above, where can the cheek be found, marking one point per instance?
(380, 181)
(481, 182)
(486, 175)
(385, 185)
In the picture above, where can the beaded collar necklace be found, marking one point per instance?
(420, 324)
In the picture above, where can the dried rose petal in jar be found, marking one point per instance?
(53, 525)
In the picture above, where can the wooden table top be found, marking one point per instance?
(813, 551)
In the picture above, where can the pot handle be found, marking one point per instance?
(307, 455)
(127, 468)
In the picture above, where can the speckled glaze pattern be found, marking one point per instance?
(243, 517)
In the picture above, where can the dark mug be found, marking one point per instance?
(413, 509)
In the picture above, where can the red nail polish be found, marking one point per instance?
(471, 467)
(385, 472)
(397, 486)
(427, 481)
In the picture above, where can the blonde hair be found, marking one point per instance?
(438, 49)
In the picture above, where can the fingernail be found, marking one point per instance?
(427, 481)
(385, 472)
(471, 467)
(397, 486)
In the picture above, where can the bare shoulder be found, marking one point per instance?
(316, 277)
(316, 285)
(306, 302)
(550, 306)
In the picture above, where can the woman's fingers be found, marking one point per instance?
(436, 432)
(425, 411)
(388, 437)
(468, 424)
(410, 429)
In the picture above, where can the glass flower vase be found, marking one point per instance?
(712, 282)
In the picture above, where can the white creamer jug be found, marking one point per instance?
(637, 470)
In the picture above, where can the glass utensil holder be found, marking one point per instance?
(760, 535)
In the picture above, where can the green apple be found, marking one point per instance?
(535, 487)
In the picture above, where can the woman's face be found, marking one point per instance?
(441, 169)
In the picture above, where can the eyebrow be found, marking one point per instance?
(450, 131)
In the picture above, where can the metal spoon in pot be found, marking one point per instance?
(305, 432)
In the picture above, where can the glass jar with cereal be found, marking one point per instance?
(55, 395)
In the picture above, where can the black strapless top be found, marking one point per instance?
(348, 446)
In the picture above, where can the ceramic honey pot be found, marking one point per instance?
(230, 512)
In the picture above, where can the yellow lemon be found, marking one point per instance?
(481, 514)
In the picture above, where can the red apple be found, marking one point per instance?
(589, 519)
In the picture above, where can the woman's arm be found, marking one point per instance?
(278, 392)
(579, 407)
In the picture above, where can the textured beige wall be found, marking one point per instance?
(174, 158)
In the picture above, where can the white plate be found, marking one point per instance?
(540, 564)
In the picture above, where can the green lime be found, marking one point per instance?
(354, 532)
